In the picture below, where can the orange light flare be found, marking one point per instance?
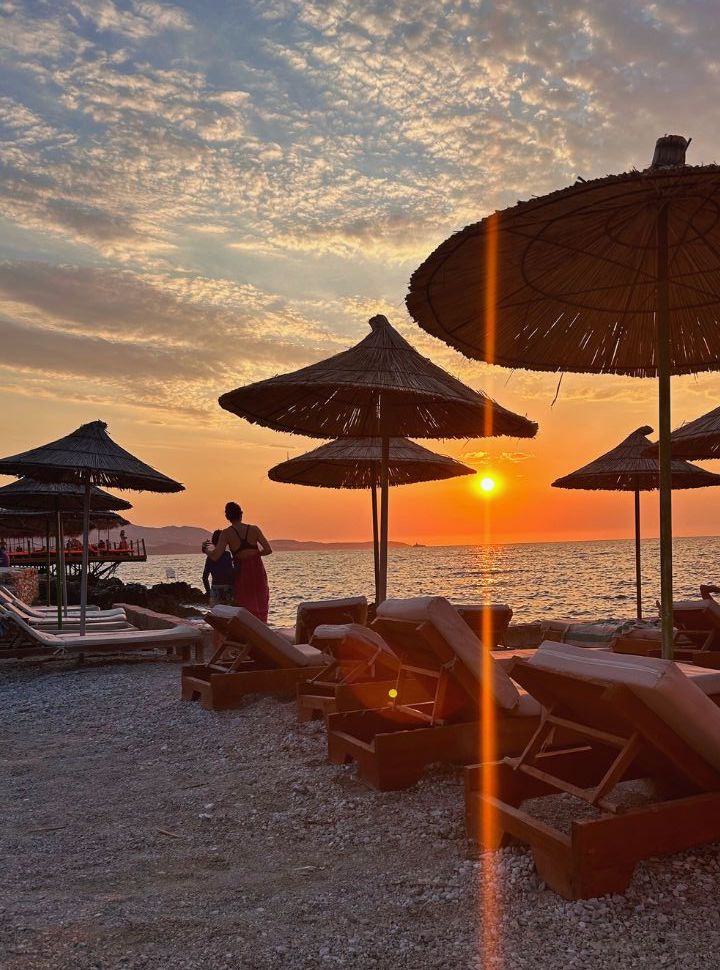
(487, 487)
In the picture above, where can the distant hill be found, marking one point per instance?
(179, 540)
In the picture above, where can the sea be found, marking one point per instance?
(582, 580)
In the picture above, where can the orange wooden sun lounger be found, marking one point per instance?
(251, 659)
(393, 745)
(638, 718)
(364, 673)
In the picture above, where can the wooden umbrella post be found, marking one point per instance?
(384, 490)
(85, 555)
(58, 564)
(48, 561)
(638, 571)
(376, 549)
(662, 321)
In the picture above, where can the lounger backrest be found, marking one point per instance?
(246, 628)
(467, 651)
(703, 614)
(486, 620)
(313, 613)
(660, 684)
(352, 639)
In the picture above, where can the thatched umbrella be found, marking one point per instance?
(626, 468)
(356, 463)
(88, 456)
(617, 275)
(382, 387)
(699, 438)
(58, 498)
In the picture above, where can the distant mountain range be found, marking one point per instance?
(183, 539)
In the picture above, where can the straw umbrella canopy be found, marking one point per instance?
(56, 500)
(382, 387)
(616, 275)
(699, 438)
(626, 468)
(88, 456)
(356, 463)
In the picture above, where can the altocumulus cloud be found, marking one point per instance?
(199, 180)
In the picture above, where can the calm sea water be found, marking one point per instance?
(587, 580)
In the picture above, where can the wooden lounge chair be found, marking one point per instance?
(71, 624)
(487, 620)
(34, 642)
(251, 658)
(393, 745)
(364, 673)
(696, 639)
(315, 613)
(638, 718)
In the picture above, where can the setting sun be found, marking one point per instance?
(486, 485)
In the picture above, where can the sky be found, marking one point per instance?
(197, 195)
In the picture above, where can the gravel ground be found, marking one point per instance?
(141, 832)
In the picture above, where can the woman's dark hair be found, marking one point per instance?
(216, 537)
(233, 512)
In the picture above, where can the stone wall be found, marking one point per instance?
(24, 583)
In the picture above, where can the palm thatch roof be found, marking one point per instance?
(355, 463)
(626, 468)
(381, 386)
(699, 438)
(573, 276)
(27, 493)
(88, 454)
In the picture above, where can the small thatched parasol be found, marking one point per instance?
(356, 463)
(616, 275)
(382, 387)
(626, 468)
(88, 456)
(61, 499)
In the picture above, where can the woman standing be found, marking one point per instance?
(247, 546)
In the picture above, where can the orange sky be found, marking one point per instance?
(226, 458)
(209, 197)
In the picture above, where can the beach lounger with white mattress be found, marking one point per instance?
(108, 641)
(252, 658)
(638, 719)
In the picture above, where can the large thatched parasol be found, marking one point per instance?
(57, 500)
(699, 438)
(88, 456)
(382, 387)
(356, 463)
(617, 275)
(626, 468)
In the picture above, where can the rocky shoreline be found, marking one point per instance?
(179, 599)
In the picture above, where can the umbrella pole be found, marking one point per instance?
(85, 556)
(58, 565)
(376, 544)
(48, 565)
(638, 573)
(384, 462)
(663, 364)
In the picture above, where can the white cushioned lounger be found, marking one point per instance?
(301, 654)
(445, 619)
(676, 695)
(41, 611)
(110, 638)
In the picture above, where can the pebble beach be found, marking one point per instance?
(144, 833)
